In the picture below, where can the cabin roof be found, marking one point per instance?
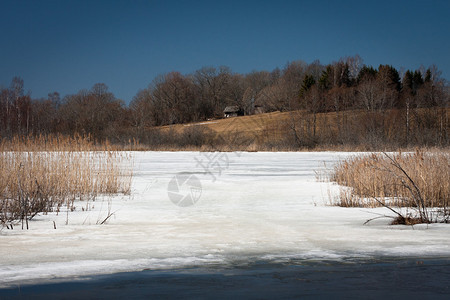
(231, 109)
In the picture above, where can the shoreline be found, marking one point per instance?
(372, 278)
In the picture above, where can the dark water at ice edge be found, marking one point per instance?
(387, 278)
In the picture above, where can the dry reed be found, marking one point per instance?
(419, 180)
(42, 174)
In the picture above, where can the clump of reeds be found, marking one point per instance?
(42, 174)
(418, 180)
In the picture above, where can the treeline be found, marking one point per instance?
(343, 86)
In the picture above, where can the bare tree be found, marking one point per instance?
(141, 110)
(314, 103)
(20, 104)
(275, 97)
(213, 86)
(175, 99)
(354, 63)
(44, 114)
(315, 69)
(235, 90)
(5, 112)
(255, 82)
(91, 111)
(371, 95)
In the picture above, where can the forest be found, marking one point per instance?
(363, 105)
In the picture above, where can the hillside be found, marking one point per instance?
(243, 125)
(296, 130)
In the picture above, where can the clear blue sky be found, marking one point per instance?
(66, 46)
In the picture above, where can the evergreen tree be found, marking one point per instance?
(345, 75)
(335, 75)
(407, 82)
(417, 81)
(389, 76)
(366, 73)
(308, 82)
(325, 80)
(428, 76)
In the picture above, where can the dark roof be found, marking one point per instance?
(231, 109)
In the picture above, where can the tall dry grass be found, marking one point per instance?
(42, 174)
(418, 180)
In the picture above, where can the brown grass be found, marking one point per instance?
(40, 175)
(418, 180)
(355, 130)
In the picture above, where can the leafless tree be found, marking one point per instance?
(175, 99)
(213, 86)
(276, 97)
(370, 95)
(354, 63)
(255, 82)
(91, 111)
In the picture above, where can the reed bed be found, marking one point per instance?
(418, 180)
(43, 174)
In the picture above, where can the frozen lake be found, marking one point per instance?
(191, 209)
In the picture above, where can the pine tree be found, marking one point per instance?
(308, 82)
(407, 82)
(389, 76)
(417, 81)
(366, 73)
(325, 80)
(428, 76)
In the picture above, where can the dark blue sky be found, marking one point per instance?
(67, 46)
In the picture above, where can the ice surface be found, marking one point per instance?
(251, 206)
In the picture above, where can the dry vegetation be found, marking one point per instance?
(418, 180)
(42, 174)
(300, 130)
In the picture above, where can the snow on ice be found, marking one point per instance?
(196, 209)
